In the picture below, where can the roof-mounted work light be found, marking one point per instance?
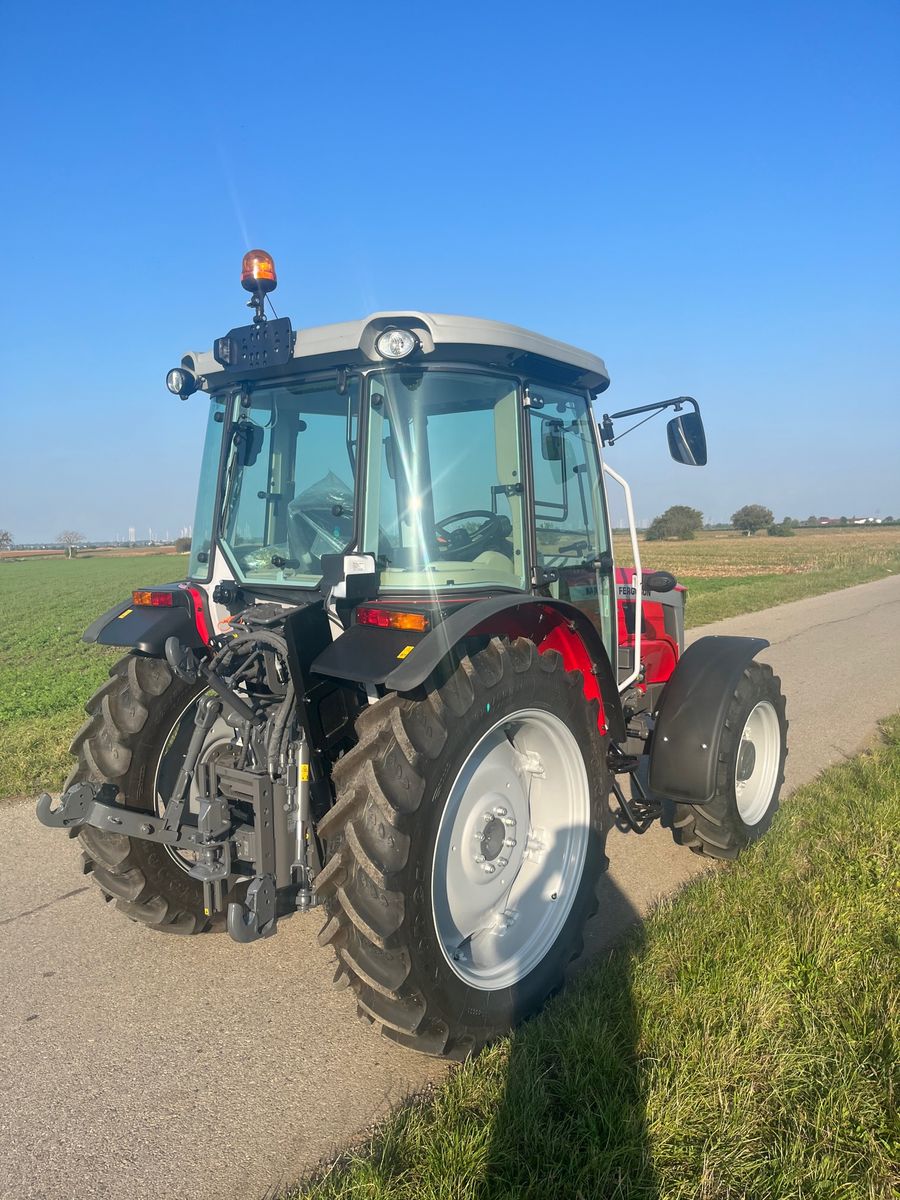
(396, 343)
(181, 382)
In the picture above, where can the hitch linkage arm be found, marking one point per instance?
(94, 804)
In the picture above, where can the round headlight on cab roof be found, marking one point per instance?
(181, 382)
(396, 343)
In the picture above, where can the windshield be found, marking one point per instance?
(443, 502)
(289, 481)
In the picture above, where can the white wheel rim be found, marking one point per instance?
(510, 849)
(756, 767)
(218, 738)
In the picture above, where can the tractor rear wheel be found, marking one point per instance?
(139, 723)
(464, 848)
(750, 771)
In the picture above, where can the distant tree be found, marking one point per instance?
(71, 539)
(784, 529)
(6, 540)
(183, 545)
(679, 522)
(752, 517)
(811, 521)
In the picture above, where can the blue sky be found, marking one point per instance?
(705, 194)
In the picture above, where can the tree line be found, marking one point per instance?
(682, 523)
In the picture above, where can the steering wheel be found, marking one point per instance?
(494, 528)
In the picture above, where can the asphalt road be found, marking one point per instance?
(136, 1065)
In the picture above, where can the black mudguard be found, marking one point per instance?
(146, 629)
(688, 731)
(369, 655)
(366, 655)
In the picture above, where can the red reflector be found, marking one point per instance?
(152, 599)
(385, 618)
(199, 614)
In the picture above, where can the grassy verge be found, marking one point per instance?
(46, 671)
(713, 599)
(742, 1044)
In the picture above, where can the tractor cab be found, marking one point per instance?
(458, 457)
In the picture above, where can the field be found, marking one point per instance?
(47, 673)
(742, 1043)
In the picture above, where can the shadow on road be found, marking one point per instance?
(572, 1121)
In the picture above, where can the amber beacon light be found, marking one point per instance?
(258, 272)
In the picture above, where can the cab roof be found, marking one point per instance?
(441, 337)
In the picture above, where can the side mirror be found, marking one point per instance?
(687, 439)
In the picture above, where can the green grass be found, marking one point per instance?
(713, 599)
(741, 1044)
(46, 671)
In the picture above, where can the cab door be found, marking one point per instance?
(572, 554)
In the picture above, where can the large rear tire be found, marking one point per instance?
(464, 848)
(131, 719)
(749, 775)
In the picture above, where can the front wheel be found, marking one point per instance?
(464, 848)
(750, 771)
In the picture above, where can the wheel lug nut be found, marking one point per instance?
(509, 842)
(479, 858)
(489, 868)
(500, 811)
(501, 862)
(508, 822)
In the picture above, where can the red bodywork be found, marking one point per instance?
(659, 647)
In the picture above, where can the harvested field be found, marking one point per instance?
(723, 555)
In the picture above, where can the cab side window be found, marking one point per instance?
(571, 528)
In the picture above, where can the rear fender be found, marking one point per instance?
(146, 628)
(550, 624)
(688, 731)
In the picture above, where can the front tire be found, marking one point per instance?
(749, 775)
(464, 848)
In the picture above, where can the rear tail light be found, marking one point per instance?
(385, 618)
(152, 599)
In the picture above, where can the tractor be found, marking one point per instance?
(404, 681)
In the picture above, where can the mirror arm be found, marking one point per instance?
(677, 403)
(607, 434)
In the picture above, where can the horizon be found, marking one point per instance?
(621, 527)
